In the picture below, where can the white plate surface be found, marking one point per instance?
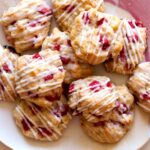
(74, 138)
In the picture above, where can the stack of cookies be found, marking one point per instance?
(85, 37)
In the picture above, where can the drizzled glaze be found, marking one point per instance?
(92, 95)
(60, 41)
(98, 36)
(66, 11)
(42, 123)
(27, 24)
(113, 125)
(134, 36)
(7, 75)
(139, 83)
(41, 80)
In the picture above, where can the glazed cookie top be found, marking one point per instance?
(94, 95)
(46, 124)
(60, 42)
(139, 84)
(133, 52)
(96, 36)
(66, 11)
(40, 74)
(112, 126)
(27, 24)
(7, 74)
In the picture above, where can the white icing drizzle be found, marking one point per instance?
(78, 4)
(47, 122)
(106, 93)
(23, 77)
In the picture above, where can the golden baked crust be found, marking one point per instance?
(139, 84)
(96, 36)
(7, 74)
(133, 52)
(112, 126)
(45, 124)
(39, 75)
(60, 42)
(27, 24)
(65, 11)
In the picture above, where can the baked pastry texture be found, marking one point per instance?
(7, 74)
(45, 124)
(93, 95)
(139, 84)
(112, 126)
(27, 24)
(133, 51)
(65, 11)
(96, 36)
(40, 75)
(61, 42)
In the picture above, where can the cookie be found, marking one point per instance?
(133, 51)
(139, 84)
(113, 125)
(7, 74)
(94, 95)
(60, 42)
(96, 36)
(45, 124)
(27, 24)
(39, 75)
(65, 11)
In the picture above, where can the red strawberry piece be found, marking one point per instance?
(122, 55)
(146, 96)
(44, 131)
(27, 124)
(71, 88)
(57, 47)
(64, 109)
(135, 38)
(6, 68)
(35, 109)
(95, 86)
(104, 41)
(131, 24)
(37, 56)
(65, 60)
(109, 84)
(139, 24)
(12, 23)
(32, 24)
(45, 10)
(69, 8)
(100, 123)
(122, 108)
(49, 77)
(86, 18)
(101, 21)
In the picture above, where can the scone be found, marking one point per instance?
(139, 84)
(60, 41)
(7, 74)
(133, 51)
(112, 126)
(94, 95)
(96, 36)
(45, 124)
(39, 75)
(65, 11)
(27, 24)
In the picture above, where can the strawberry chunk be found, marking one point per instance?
(6, 68)
(49, 77)
(86, 18)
